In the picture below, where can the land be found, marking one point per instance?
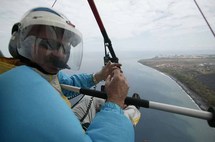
(195, 74)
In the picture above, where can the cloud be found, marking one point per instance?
(121, 18)
(124, 20)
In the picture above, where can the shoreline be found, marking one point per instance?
(200, 102)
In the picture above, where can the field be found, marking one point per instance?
(196, 75)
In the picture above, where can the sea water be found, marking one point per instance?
(152, 85)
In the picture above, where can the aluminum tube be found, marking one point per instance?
(181, 110)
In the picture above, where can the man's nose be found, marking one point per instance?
(58, 51)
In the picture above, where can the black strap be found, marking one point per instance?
(77, 101)
(88, 108)
(85, 126)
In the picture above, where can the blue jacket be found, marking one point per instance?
(80, 80)
(31, 110)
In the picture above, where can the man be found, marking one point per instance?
(31, 104)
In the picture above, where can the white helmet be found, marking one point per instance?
(45, 32)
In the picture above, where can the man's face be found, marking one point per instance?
(51, 47)
(49, 56)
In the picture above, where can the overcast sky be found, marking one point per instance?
(132, 25)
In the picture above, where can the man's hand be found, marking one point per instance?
(116, 87)
(106, 70)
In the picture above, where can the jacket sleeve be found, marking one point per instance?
(110, 124)
(79, 80)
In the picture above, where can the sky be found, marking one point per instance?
(132, 25)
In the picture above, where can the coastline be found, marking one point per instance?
(201, 103)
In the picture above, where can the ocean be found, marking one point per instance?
(152, 85)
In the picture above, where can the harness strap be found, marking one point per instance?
(88, 108)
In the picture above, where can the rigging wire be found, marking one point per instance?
(204, 18)
(54, 3)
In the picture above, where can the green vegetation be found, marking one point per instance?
(197, 73)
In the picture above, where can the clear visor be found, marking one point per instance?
(51, 47)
